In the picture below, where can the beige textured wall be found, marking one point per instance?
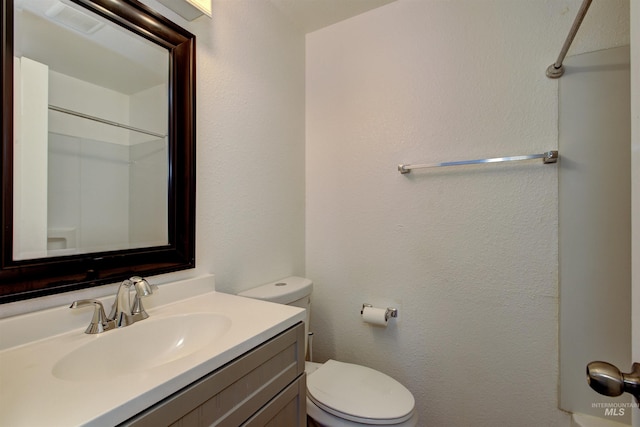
(470, 256)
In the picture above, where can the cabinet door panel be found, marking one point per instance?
(288, 409)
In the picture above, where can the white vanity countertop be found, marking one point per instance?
(31, 395)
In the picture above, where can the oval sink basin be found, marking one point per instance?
(141, 346)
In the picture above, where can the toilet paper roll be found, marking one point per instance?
(375, 316)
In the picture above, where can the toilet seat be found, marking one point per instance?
(360, 394)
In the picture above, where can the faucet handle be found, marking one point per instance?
(143, 289)
(99, 321)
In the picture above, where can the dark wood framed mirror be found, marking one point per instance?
(24, 277)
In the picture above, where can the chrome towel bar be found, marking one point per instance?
(547, 157)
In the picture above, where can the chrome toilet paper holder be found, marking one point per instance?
(389, 312)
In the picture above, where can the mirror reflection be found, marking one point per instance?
(90, 134)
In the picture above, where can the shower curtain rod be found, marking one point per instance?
(100, 120)
(556, 69)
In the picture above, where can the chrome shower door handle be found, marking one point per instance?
(606, 379)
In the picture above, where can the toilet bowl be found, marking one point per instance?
(342, 394)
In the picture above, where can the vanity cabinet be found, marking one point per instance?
(264, 387)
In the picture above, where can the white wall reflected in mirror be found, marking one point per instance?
(90, 137)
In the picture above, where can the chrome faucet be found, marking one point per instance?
(121, 308)
(122, 313)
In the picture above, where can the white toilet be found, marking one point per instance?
(342, 394)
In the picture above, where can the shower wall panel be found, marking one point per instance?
(594, 225)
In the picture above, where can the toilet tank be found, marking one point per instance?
(295, 291)
(292, 290)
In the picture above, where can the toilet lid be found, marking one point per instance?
(360, 394)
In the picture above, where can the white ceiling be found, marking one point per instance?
(311, 15)
(110, 57)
